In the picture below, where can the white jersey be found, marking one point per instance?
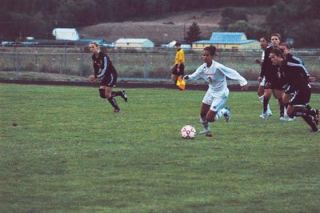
(216, 75)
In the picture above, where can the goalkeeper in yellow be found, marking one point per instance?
(177, 70)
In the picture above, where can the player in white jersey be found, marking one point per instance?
(214, 101)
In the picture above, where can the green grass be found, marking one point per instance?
(62, 149)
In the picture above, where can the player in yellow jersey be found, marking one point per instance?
(177, 70)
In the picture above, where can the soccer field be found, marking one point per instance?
(63, 149)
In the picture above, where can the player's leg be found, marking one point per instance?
(205, 107)
(219, 110)
(107, 83)
(278, 94)
(112, 81)
(266, 98)
(286, 100)
(111, 99)
(203, 121)
(260, 93)
(174, 74)
(307, 114)
(298, 106)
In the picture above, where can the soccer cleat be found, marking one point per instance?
(282, 118)
(265, 115)
(314, 130)
(124, 95)
(291, 119)
(227, 114)
(116, 110)
(269, 112)
(209, 134)
(204, 132)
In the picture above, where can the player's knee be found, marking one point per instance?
(102, 93)
(299, 110)
(210, 117)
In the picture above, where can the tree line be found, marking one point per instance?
(21, 18)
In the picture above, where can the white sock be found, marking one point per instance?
(204, 123)
(261, 98)
(285, 113)
(220, 114)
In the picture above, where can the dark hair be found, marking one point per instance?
(264, 37)
(94, 43)
(285, 44)
(277, 35)
(278, 52)
(177, 44)
(211, 49)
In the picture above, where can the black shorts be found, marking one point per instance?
(301, 97)
(274, 84)
(175, 71)
(109, 80)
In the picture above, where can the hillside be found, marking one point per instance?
(163, 30)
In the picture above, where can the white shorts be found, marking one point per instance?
(263, 81)
(216, 103)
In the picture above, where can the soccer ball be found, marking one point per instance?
(188, 132)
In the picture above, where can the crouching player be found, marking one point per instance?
(105, 72)
(295, 77)
(213, 103)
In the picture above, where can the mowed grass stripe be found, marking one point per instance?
(68, 152)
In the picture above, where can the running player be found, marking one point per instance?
(213, 103)
(295, 76)
(293, 59)
(273, 83)
(106, 74)
(261, 79)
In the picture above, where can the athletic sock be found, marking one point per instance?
(261, 98)
(204, 123)
(281, 106)
(113, 102)
(265, 104)
(116, 93)
(309, 120)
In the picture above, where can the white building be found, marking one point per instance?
(135, 43)
(70, 34)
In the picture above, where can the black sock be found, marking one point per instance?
(116, 93)
(281, 105)
(265, 104)
(113, 102)
(309, 120)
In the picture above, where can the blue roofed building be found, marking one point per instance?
(227, 40)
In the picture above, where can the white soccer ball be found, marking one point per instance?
(188, 132)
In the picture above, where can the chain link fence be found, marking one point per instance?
(74, 63)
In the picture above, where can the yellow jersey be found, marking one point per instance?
(180, 59)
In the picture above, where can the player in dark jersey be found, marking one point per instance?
(295, 76)
(273, 81)
(106, 74)
(261, 79)
(285, 47)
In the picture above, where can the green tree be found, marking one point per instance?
(193, 33)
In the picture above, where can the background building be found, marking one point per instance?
(227, 40)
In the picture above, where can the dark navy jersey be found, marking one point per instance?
(269, 71)
(295, 76)
(294, 59)
(102, 65)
